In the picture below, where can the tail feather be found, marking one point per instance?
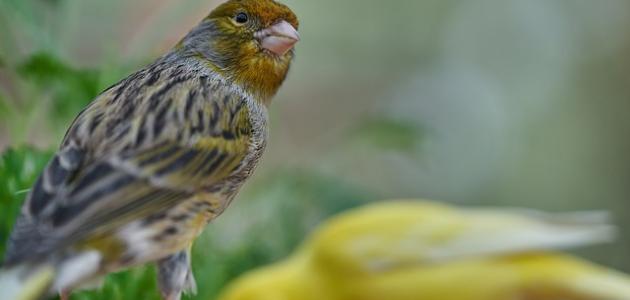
(608, 285)
(505, 231)
(25, 282)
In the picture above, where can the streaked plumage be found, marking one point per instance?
(421, 250)
(158, 155)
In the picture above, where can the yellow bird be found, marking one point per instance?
(422, 250)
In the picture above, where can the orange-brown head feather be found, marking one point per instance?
(267, 12)
(249, 42)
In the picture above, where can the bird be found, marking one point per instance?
(414, 249)
(157, 156)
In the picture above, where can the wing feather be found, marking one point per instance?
(136, 150)
(396, 234)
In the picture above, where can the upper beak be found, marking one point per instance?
(278, 38)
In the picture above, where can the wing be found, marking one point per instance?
(143, 146)
(59, 171)
(497, 231)
(397, 234)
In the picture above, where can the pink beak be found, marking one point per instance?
(278, 38)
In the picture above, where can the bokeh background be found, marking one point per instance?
(484, 102)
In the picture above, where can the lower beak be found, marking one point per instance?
(278, 38)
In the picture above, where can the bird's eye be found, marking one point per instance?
(241, 18)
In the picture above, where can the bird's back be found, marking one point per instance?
(175, 137)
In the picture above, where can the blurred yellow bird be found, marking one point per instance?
(421, 250)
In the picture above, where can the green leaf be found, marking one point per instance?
(71, 89)
(388, 134)
(43, 67)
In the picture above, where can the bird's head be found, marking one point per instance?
(250, 42)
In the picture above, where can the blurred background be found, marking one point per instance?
(486, 102)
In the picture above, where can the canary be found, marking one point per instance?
(155, 157)
(422, 250)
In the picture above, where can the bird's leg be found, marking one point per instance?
(175, 276)
(65, 294)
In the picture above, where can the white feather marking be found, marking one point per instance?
(76, 270)
(523, 240)
(22, 283)
(525, 230)
(138, 238)
(611, 285)
(10, 283)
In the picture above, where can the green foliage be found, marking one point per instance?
(45, 93)
(138, 283)
(388, 134)
(282, 208)
(306, 198)
(71, 89)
